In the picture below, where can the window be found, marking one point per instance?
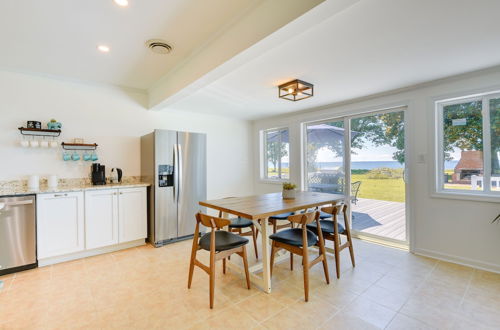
(469, 145)
(276, 151)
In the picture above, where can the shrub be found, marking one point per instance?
(386, 173)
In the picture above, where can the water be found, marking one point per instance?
(449, 165)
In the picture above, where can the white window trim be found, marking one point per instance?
(263, 157)
(439, 191)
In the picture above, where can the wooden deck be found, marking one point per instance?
(382, 218)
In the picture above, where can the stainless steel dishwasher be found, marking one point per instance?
(17, 233)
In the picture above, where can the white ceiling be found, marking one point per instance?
(59, 37)
(368, 48)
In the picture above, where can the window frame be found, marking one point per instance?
(264, 160)
(439, 190)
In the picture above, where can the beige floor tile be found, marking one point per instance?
(370, 312)
(343, 321)
(434, 313)
(232, 318)
(401, 321)
(391, 299)
(261, 306)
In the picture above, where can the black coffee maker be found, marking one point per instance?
(98, 174)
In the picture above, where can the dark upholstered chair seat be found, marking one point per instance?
(282, 216)
(240, 222)
(324, 215)
(326, 227)
(224, 240)
(294, 237)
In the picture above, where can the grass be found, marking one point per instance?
(392, 190)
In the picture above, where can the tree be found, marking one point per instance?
(275, 151)
(464, 135)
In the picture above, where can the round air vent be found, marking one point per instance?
(159, 46)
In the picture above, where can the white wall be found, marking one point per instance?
(114, 119)
(455, 230)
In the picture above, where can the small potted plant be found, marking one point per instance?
(289, 190)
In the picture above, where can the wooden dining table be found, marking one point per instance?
(258, 209)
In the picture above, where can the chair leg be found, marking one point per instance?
(245, 265)
(337, 255)
(272, 257)
(305, 266)
(212, 279)
(224, 266)
(291, 254)
(275, 226)
(191, 263)
(325, 264)
(254, 234)
(351, 249)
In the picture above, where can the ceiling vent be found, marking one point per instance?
(159, 46)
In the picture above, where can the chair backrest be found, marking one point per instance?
(355, 187)
(211, 221)
(304, 218)
(335, 209)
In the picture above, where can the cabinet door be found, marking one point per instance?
(132, 214)
(101, 218)
(60, 224)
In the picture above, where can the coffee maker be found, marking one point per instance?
(98, 174)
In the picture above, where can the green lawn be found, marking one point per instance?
(381, 189)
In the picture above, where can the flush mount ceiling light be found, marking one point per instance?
(103, 48)
(158, 46)
(121, 3)
(295, 90)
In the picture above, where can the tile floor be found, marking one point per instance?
(145, 288)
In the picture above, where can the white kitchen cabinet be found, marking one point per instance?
(101, 218)
(60, 224)
(132, 214)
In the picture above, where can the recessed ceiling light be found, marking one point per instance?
(121, 3)
(103, 48)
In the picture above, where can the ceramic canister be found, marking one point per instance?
(34, 182)
(52, 181)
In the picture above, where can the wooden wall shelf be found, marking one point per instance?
(39, 132)
(79, 146)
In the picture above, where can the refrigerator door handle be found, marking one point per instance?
(176, 175)
(179, 166)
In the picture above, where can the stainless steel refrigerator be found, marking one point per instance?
(175, 163)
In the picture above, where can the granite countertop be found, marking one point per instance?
(20, 188)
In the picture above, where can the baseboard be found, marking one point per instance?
(89, 253)
(459, 260)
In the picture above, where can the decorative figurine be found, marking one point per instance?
(54, 124)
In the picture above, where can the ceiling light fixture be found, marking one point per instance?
(103, 48)
(121, 3)
(295, 90)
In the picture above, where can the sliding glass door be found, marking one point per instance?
(377, 176)
(363, 156)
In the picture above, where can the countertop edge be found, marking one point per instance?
(47, 190)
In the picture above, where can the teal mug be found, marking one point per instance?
(66, 156)
(87, 157)
(75, 156)
(94, 156)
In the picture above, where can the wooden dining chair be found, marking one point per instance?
(238, 224)
(332, 230)
(297, 241)
(221, 244)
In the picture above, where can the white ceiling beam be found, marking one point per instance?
(262, 20)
